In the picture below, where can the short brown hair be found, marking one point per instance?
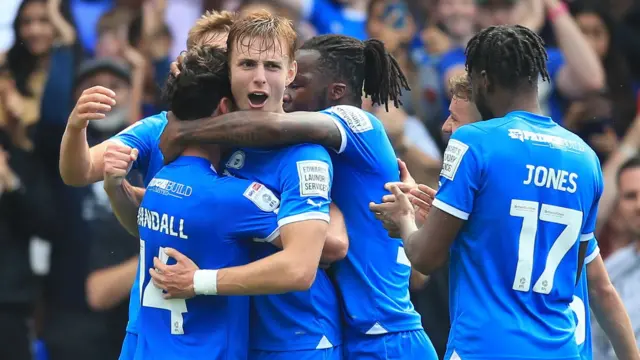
(266, 27)
(460, 87)
(210, 22)
(113, 19)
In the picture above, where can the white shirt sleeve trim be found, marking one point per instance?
(343, 135)
(589, 258)
(269, 238)
(312, 215)
(586, 237)
(450, 209)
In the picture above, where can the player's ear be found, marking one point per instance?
(337, 91)
(484, 80)
(291, 72)
(225, 106)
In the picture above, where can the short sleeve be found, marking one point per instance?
(306, 175)
(590, 223)
(592, 250)
(362, 136)
(254, 210)
(460, 175)
(142, 135)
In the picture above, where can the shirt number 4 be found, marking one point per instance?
(531, 213)
(152, 296)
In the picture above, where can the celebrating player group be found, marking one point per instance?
(274, 224)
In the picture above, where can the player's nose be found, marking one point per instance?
(259, 77)
(446, 127)
(286, 98)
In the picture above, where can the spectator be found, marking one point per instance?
(603, 117)
(38, 24)
(624, 264)
(26, 210)
(113, 253)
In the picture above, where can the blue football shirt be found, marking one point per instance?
(374, 277)
(528, 190)
(302, 176)
(143, 135)
(209, 219)
(580, 305)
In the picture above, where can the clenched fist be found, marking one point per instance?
(118, 159)
(93, 104)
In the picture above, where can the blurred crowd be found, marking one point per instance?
(66, 266)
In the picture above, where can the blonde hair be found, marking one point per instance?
(460, 87)
(210, 23)
(265, 27)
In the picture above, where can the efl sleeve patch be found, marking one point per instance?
(452, 158)
(355, 118)
(314, 178)
(260, 195)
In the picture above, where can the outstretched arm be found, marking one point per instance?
(252, 129)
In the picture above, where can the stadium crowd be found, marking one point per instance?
(67, 265)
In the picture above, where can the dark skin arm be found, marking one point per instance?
(250, 129)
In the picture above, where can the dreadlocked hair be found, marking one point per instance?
(509, 55)
(364, 66)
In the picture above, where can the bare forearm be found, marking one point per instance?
(261, 129)
(581, 59)
(76, 167)
(108, 287)
(612, 317)
(125, 201)
(336, 244)
(275, 274)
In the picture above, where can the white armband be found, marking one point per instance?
(205, 282)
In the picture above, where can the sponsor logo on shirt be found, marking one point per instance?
(355, 118)
(314, 178)
(552, 141)
(452, 158)
(170, 188)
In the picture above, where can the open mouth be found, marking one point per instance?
(257, 99)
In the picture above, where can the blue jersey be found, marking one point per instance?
(302, 175)
(211, 220)
(529, 190)
(374, 277)
(580, 305)
(143, 135)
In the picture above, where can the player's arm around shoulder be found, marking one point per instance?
(610, 311)
(256, 129)
(305, 174)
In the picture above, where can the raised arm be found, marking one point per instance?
(81, 165)
(251, 129)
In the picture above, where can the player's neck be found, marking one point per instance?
(209, 152)
(525, 102)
